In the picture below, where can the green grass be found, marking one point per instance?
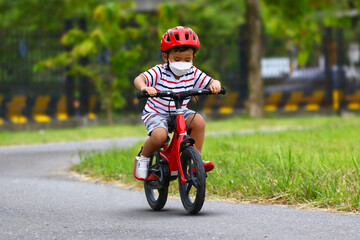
(8, 138)
(100, 132)
(316, 166)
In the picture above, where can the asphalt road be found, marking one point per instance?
(39, 200)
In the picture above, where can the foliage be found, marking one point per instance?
(14, 15)
(31, 16)
(114, 35)
(215, 22)
(125, 45)
(302, 21)
(134, 47)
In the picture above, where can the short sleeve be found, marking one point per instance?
(152, 76)
(202, 80)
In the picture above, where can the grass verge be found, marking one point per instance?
(8, 138)
(317, 167)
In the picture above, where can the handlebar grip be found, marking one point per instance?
(222, 91)
(142, 94)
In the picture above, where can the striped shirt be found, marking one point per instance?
(162, 79)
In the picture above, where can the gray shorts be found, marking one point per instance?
(165, 121)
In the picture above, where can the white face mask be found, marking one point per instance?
(180, 68)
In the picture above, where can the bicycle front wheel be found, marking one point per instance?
(156, 197)
(192, 193)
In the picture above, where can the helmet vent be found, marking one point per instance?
(187, 36)
(177, 37)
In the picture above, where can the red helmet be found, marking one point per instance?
(180, 36)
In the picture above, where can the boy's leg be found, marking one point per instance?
(197, 132)
(197, 129)
(157, 128)
(155, 141)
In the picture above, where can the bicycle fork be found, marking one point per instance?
(172, 153)
(183, 140)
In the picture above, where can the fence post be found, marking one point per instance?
(69, 80)
(83, 80)
(331, 79)
(243, 66)
(340, 67)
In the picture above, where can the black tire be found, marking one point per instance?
(192, 193)
(156, 197)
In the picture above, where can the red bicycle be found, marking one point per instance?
(179, 160)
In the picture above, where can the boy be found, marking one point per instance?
(178, 48)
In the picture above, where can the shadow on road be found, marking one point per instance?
(166, 212)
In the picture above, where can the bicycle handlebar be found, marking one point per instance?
(180, 95)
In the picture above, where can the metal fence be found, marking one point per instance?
(27, 95)
(330, 79)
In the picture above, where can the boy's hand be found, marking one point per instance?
(215, 86)
(150, 90)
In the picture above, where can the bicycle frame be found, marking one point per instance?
(171, 153)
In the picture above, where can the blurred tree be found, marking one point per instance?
(215, 22)
(30, 16)
(112, 37)
(302, 21)
(256, 93)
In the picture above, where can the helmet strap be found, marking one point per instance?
(168, 65)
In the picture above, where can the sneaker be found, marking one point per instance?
(208, 166)
(141, 168)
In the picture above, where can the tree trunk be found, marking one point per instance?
(255, 83)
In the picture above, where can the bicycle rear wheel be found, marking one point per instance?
(192, 193)
(156, 192)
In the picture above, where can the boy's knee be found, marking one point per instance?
(198, 122)
(159, 135)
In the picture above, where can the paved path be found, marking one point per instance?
(39, 201)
